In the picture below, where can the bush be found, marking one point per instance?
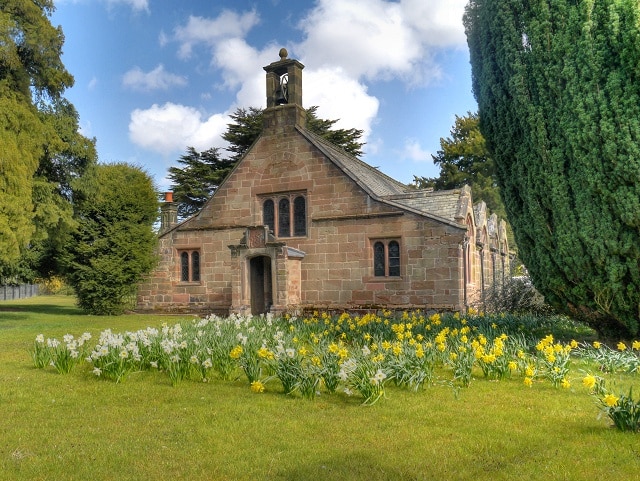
(113, 246)
(516, 295)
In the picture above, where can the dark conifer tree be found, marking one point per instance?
(558, 90)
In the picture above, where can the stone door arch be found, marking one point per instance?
(265, 274)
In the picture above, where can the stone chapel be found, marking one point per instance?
(299, 224)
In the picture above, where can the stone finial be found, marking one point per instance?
(283, 53)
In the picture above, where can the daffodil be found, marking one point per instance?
(589, 381)
(257, 387)
(610, 400)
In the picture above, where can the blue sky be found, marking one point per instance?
(153, 77)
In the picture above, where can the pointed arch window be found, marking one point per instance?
(285, 214)
(189, 265)
(268, 214)
(386, 258)
(299, 216)
(284, 218)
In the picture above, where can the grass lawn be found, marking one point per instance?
(79, 427)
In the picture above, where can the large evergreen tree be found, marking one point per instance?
(247, 126)
(464, 160)
(558, 90)
(198, 178)
(113, 246)
(41, 147)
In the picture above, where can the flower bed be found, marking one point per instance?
(354, 355)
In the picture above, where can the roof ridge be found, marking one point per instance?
(361, 163)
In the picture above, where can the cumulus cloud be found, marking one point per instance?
(346, 45)
(170, 128)
(210, 31)
(340, 97)
(379, 40)
(413, 151)
(137, 5)
(156, 79)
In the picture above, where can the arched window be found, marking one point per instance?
(470, 244)
(195, 266)
(184, 267)
(379, 259)
(268, 215)
(285, 214)
(189, 266)
(299, 216)
(284, 220)
(394, 258)
(386, 258)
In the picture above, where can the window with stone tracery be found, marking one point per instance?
(386, 258)
(189, 265)
(285, 214)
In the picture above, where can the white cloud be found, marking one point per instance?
(228, 24)
(137, 5)
(92, 83)
(414, 152)
(171, 128)
(340, 97)
(156, 79)
(379, 40)
(346, 45)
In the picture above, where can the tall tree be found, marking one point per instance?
(198, 178)
(113, 245)
(247, 127)
(558, 90)
(30, 70)
(464, 160)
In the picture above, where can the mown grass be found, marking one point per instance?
(79, 427)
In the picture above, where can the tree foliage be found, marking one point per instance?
(558, 89)
(31, 49)
(198, 178)
(464, 160)
(113, 246)
(41, 146)
(247, 126)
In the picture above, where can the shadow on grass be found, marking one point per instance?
(49, 309)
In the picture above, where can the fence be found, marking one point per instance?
(18, 292)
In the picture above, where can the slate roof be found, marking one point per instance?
(443, 206)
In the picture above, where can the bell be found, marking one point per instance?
(280, 97)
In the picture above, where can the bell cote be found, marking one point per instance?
(284, 93)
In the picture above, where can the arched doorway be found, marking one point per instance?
(260, 284)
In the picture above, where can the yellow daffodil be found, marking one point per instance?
(236, 352)
(622, 346)
(589, 381)
(610, 400)
(257, 387)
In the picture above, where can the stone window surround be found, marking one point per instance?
(189, 251)
(291, 197)
(385, 241)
